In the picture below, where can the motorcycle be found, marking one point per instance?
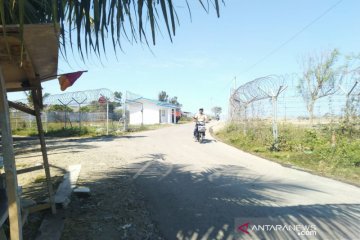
(200, 133)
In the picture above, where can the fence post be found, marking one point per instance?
(65, 118)
(124, 117)
(107, 116)
(30, 125)
(79, 116)
(16, 119)
(46, 121)
(274, 121)
(245, 119)
(79, 103)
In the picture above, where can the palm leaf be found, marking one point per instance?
(152, 19)
(171, 10)
(92, 19)
(3, 22)
(163, 8)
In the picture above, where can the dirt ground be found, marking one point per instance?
(114, 210)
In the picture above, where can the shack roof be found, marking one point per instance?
(38, 62)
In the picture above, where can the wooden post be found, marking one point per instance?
(9, 165)
(43, 150)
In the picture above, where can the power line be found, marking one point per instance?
(292, 37)
(229, 83)
(287, 41)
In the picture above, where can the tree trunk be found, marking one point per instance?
(310, 109)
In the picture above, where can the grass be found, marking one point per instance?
(24, 132)
(184, 120)
(327, 150)
(58, 132)
(136, 128)
(39, 178)
(87, 130)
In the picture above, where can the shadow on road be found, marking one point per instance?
(103, 138)
(208, 141)
(208, 204)
(187, 203)
(28, 145)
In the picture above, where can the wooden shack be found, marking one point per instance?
(26, 60)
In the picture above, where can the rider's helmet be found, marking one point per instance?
(201, 110)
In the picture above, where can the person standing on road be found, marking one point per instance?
(199, 117)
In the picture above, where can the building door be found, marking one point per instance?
(163, 117)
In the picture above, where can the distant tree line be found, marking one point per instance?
(164, 97)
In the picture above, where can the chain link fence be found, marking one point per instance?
(96, 109)
(276, 101)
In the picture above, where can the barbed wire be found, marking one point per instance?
(259, 88)
(75, 98)
(83, 97)
(130, 96)
(253, 99)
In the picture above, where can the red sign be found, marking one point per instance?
(102, 100)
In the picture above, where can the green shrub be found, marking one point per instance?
(69, 132)
(327, 149)
(310, 139)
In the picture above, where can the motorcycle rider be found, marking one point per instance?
(199, 117)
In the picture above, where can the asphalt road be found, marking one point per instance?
(207, 191)
(193, 191)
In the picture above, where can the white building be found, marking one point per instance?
(148, 111)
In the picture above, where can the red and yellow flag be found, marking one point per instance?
(68, 79)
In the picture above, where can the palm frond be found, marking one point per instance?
(94, 20)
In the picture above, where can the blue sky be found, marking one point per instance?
(208, 52)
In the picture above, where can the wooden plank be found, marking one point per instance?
(35, 97)
(74, 171)
(18, 89)
(22, 108)
(9, 165)
(62, 195)
(65, 188)
(29, 169)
